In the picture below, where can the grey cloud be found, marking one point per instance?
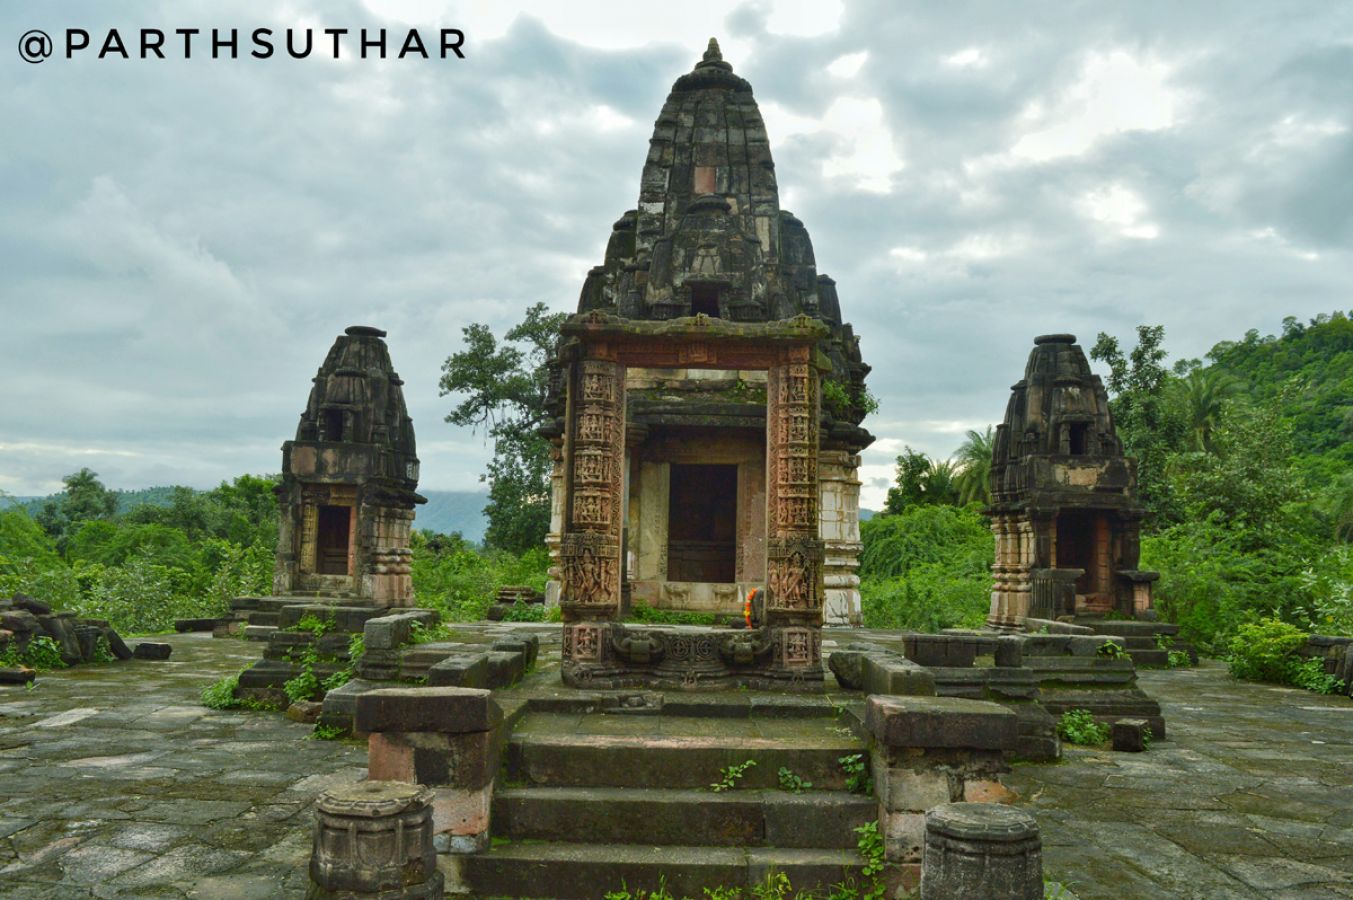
(181, 241)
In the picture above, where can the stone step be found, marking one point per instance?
(1129, 627)
(567, 871)
(1154, 658)
(672, 752)
(654, 816)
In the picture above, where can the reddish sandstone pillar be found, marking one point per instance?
(794, 552)
(589, 548)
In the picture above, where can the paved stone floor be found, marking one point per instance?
(1252, 796)
(115, 781)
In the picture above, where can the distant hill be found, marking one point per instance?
(867, 514)
(448, 511)
(445, 511)
(126, 500)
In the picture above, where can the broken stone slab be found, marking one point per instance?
(183, 626)
(441, 710)
(467, 670)
(340, 704)
(505, 667)
(940, 649)
(151, 650)
(259, 632)
(1130, 735)
(896, 675)
(20, 675)
(306, 712)
(1054, 627)
(527, 645)
(940, 722)
(388, 632)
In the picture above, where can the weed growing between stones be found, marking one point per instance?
(1175, 659)
(1111, 650)
(1078, 726)
(731, 776)
(315, 625)
(103, 653)
(791, 782)
(419, 633)
(305, 685)
(326, 733)
(525, 612)
(858, 779)
(42, 653)
(221, 695)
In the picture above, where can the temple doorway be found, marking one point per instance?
(1083, 543)
(332, 539)
(702, 523)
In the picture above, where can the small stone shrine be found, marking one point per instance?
(1064, 503)
(706, 402)
(349, 480)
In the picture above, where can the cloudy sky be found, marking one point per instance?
(181, 240)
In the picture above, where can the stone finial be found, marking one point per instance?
(712, 53)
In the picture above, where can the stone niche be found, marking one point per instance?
(1064, 505)
(348, 481)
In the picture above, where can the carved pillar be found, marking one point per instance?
(794, 552)
(558, 498)
(590, 546)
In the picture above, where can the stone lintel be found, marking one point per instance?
(940, 722)
(444, 710)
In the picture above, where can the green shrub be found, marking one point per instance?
(1078, 726)
(221, 694)
(1266, 651)
(926, 569)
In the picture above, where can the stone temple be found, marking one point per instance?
(707, 396)
(349, 481)
(1064, 503)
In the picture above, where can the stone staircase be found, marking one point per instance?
(588, 803)
(1148, 643)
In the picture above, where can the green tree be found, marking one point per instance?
(83, 499)
(1143, 416)
(1200, 395)
(974, 466)
(504, 387)
(920, 481)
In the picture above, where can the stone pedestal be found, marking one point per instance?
(374, 839)
(446, 738)
(930, 751)
(981, 850)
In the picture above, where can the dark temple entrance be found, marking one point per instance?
(702, 523)
(331, 546)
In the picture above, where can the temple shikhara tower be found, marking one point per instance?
(707, 400)
(349, 481)
(1064, 503)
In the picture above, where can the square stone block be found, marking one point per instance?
(469, 670)
(941, 722)
(1129, 735)
(893, 675)
(445, 710)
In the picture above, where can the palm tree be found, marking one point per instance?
(1202, 394)
(973, 461)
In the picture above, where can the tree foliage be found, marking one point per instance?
(503, 387)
